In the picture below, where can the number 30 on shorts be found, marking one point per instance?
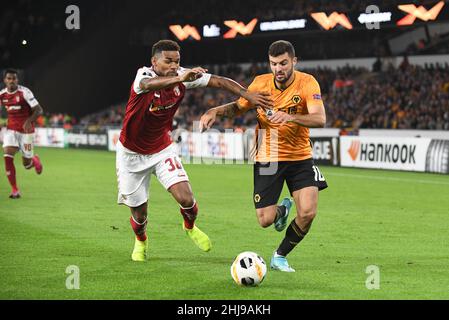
(318, 175)
(174, 164)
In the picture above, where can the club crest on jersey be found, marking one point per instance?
(177, 91)
(296, 99)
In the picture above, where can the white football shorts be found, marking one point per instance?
(134, 172)
(23, 141)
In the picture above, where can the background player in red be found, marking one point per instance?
(23, 110)
(145, 146)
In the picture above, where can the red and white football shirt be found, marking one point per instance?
(19, 105)
(149, 114)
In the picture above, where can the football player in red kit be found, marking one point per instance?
(23, 110)
(145, 146)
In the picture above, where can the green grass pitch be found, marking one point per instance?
(398, 221)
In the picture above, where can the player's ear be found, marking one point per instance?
(295, 61)
(153, 60)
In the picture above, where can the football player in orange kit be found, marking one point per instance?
(283, 148)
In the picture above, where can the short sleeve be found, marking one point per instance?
(29, 97)
(201, 82)
(142, 73)
(312, 92)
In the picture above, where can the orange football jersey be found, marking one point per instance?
(288, 141)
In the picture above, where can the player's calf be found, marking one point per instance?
(10, 170)
(293, 236)
(189, 214)
(305, 218)
(138, 221)
(182, 192)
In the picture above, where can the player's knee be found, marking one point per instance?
(264, 220)
(139, 213)
(265, 223)
(308, 214)
(186, 200)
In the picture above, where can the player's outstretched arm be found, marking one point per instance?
(316, 118)
(229, 110)
(36, 112)
(158, 83)
(257, 99)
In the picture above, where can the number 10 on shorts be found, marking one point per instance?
(318, 175)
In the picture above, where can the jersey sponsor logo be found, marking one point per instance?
(12, 108)
(154, 108)
(5, 100)
(317, 96)
(296, 99)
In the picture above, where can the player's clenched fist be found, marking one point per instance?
(192, 74)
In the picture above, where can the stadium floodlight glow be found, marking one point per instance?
(374, 17)
(211, 31)
(282, 25)
(183, 33)
(419, 12)
(329, 22)
(239, 28)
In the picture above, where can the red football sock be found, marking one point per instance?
(189, 215)
(139, 229)
(11, 171)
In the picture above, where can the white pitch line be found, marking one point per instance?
(387, 178)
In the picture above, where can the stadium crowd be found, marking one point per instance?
(407, 97)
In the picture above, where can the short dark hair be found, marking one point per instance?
(164, 45)
(9, 71)
(280, 47)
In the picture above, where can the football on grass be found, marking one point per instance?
(248, 269)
